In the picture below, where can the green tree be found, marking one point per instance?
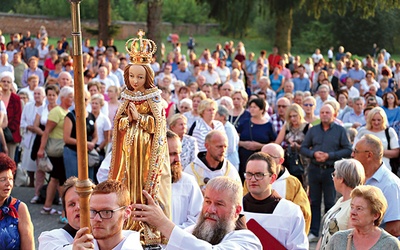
(233, 16)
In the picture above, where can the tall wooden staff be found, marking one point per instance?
(83, 186)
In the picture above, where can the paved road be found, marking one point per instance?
(42, 222)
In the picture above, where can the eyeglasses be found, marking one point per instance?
(390, 97)
(355, 151)
(104, 214)
(308, 104)
(257, 176)
(282, 106)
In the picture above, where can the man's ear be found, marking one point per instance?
(281, 160)
(128, 212)
(238, 209)
(273, 178)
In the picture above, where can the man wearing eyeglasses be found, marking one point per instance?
(369, 151)
(279, 217)
(109, 208)
(287, 185)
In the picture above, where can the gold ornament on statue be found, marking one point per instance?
(140, 50)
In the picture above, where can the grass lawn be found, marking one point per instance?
(252, 44)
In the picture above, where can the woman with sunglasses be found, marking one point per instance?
(309, 105)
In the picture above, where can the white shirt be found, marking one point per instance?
(235, 240)
(211, 77)
(102, 124)
(186, 201)
(286, 224)
(131, 241)
(56, 239)
(238, 85)
(223, 73)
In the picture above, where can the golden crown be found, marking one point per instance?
(140, 50)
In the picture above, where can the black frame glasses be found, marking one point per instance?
(104, 214)
(257, 176)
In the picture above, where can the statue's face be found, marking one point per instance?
(137, 77)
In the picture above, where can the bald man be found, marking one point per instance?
(287, 185)
(324, 144)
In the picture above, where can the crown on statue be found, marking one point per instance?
(140, 50)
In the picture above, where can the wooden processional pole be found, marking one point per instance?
(83, 186)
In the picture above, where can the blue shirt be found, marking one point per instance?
(389, 183)
(351, 117)
(333, 141)
(28, 72)
(301, 84)
(182, 75)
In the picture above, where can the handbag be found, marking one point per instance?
(293, 162)
(93, 158)
(44, 164)
(55, 147)
(8, 135)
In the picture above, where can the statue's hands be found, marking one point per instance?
(133, 114)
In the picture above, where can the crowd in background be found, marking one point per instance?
(256, 98)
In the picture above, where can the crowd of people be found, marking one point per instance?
(281, 127)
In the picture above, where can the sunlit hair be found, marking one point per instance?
(377, 203)
(113, 186)
(198, 94)
(53, 87)
(98, 97)
(372, 113)
(207, 103)
(174, 119)
(298, 110)
(352, 172)
(243, 94)
(229, 187)
(65, 91)
(149, 83)
(311, 99)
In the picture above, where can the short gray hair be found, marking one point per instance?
(65, 91)
(223, 111)
(352, 172)
(373, 144)
(233, 188)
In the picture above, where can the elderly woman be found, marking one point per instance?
(193, 115)
(309, 105)
(376, 124)
(177, 124)
(13, 106)
(368, 205)
(292, 134)
(103, 125)
(39, 124)
(53, 144)
(254, 133)
(15, 221)
(348, 174)
(239, 113)
(28, 135)
(207, 110)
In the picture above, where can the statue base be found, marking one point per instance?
(152, 247)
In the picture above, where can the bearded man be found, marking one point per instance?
(215, 228)
(186, 193)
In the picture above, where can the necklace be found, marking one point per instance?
(138, 96)
(234, 122)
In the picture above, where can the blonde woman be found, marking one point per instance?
(292, 134)
(193, 115)
(376, 124)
